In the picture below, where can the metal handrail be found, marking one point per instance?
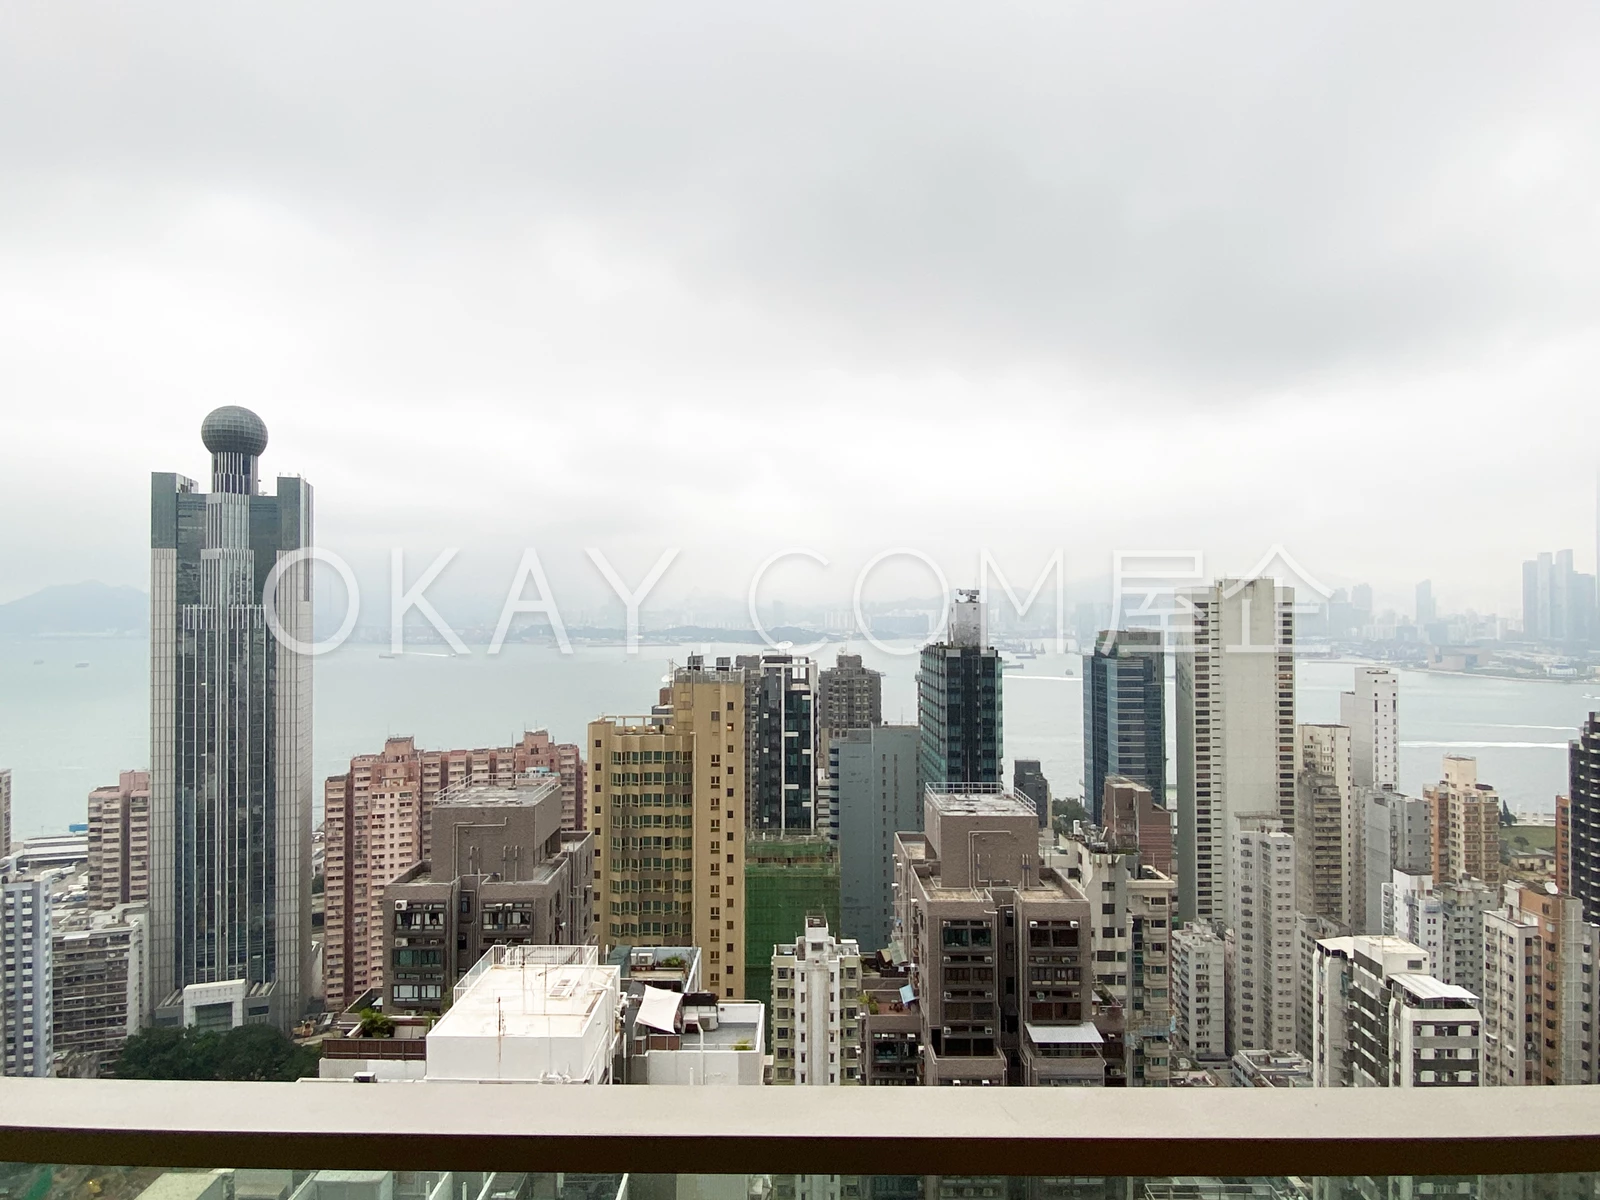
(878, 1131)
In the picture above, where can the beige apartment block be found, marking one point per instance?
(1324, 815)
(377, 825)
(667, 807)
(1466, 824)
(119, 842)
(1538, 990)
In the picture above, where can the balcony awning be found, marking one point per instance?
(658, 1008)
(1083, 1034)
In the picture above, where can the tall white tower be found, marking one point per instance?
(1236, 729)
(1372, 714)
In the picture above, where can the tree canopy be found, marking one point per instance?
(250, 1053)
(1067, 811)
(375, 1025)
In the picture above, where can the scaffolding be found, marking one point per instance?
(787, 877)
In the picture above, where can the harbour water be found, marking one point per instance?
(65, 728)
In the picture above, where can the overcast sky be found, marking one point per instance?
(742, 277)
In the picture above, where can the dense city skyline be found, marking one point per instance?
(786, 357)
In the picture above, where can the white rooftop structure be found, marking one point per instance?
(1426, 987)
(535, 1014)
(722, 1043)
(1083, 1033)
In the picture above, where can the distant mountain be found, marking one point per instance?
(76, 608)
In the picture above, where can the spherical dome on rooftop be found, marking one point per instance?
(234, 430)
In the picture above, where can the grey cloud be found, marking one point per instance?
(507, 267)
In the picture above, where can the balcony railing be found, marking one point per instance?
(1154, 1133)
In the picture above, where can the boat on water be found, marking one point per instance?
(38, 662)
(80, 666)
(386, 654)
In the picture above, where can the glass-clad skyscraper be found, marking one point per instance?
(959, 702)
(1124, 714)
(781, 728)
(230, 729)
(1581, 835)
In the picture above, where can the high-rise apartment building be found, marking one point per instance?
(1309, 930)
(1262, 1006)
(1462, 907)
(1371, 712)
(1236, 740)
(1199, 994)
(1132, 942)
(1397, 835)
(372, 834)
(1383, 1021)
(1027, 779)
(873, 776)
(987, 926)
(667, 806)
(230, 724)
(27, 971)
(502, 871)
(100, 982)
(1434, 1031)
(1324, 804)
(849, 695)
(119, 841)
(377, 824)
(1578, 824)
(1445, 920)
(1134, 821)
(816, 1009)
(959, 702)
(1539, 957)
(1563, 846)
(781, 731)
(5, 811)
(1465, 822)
(1125, 714)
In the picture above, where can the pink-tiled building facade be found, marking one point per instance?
(377, 825)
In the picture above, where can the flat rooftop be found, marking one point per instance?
(529, 1000)
(526, 790)
(948, 801)
(1426, 987)
(737, 1021)
(543, 873)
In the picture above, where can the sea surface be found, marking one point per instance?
(65, 729)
